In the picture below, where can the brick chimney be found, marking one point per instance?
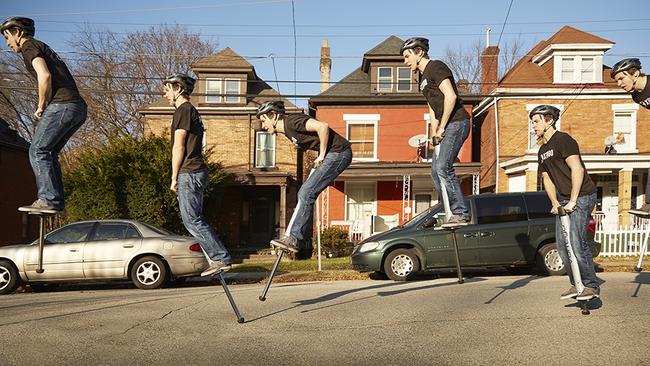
(489, 69)
(463, 86)
(325, 66)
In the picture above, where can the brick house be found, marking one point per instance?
(379, 108)
(567, 71)
(17, 188)
(266, 168)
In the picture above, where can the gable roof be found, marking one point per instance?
(387, 50)
(226, 59)
(526, 73)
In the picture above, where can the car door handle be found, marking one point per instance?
(483, 235)
(469, 235)
(127, 246)
(74, 250)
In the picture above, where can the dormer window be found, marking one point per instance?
(225, 90)
(578, 69)
(391, 79)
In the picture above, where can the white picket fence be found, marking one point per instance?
(621, 240)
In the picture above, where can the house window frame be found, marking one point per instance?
(379, 79)
(632, 109)
(558, 124)
(273, 149)
(363, 119)
(596, 76)
(221, 95)
(217, 95)
(409, 79)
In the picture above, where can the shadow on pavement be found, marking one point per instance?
(513, 286)
(642, 278)
(594, 304)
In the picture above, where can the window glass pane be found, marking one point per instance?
(70, 234)
(264, 150)
(500, 209)
(422, 202)
(385, 78)
(213, 89)
(539, 206)
(363, 150)
(567, 69)
(403, 79)
(364, 132)
(623, 131)
(587, 69)
(232, 87)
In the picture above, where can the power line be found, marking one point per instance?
(429, 35)
(295, 47)
(334, 26)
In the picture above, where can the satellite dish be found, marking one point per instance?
(610, 140)
(416, 140)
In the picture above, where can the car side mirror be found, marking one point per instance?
(430, 222)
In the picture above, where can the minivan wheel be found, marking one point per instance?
(8, 277)
(549, 261)
(149, 273)
(400, 264)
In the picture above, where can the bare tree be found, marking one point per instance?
(119, 75)
(465, 62)
(18, 97)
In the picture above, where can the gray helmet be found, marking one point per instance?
(186, 82)
(414, 42)
(22, 23)
(545, 110)
(272, 105)
(625, 65)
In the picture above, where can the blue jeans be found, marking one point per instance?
(579, 219)
(321, 177)
(442, 167)
(190, 201)
(58, 123)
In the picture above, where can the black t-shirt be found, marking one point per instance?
(188, 118)
(551, 158)
(296, 130)
(435, 73)
(64, 89)
(643, 97)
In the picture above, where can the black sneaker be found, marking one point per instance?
(215, 268)
(569, 294)
(40, 206)
(643, 211)
(455, 221)
(287, 243)
(588, 293)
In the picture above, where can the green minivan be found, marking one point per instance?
(507, 230)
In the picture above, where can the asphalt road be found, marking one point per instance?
(491, 320)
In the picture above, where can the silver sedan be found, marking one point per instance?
(103, 250)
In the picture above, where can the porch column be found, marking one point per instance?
(283, 209)
(531, 180)
(624, 194)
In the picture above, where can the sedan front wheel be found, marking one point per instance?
(149, 273)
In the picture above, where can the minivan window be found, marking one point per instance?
(500, 209)
(539, 206)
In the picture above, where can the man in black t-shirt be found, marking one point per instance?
(449, 123)
(628, 76)
(190, 173)
(567, 183)
(334, 156)
(60, 111)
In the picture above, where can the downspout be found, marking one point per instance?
(496, 129)
(250, 126)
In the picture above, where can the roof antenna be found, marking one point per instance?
(487, 37)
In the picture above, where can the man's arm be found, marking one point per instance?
(450, 101)
(549, 187)
(577, 175)
(178, 152)
(323, 131)
(44, 84)
(434, 122)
